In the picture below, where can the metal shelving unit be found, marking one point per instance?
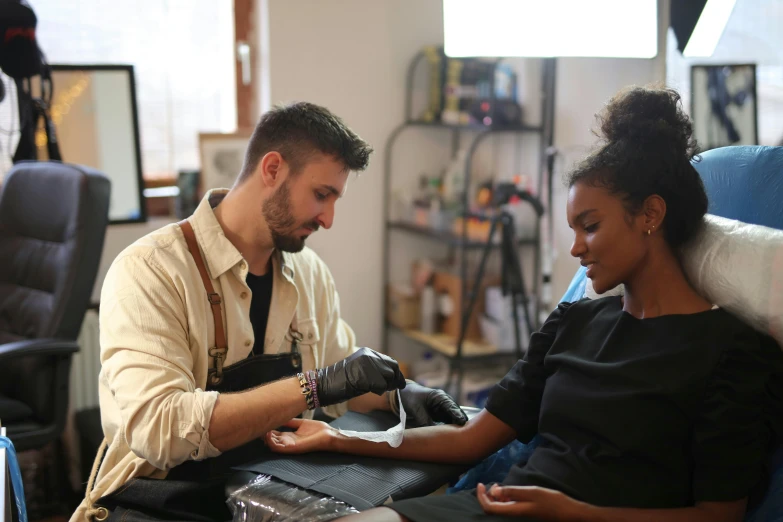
(460, 354)
(449, 238)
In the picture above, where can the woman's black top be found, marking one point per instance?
(650, 413)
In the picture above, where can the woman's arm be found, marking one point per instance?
(480, 437)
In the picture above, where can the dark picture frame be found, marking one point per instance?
(724, 104)
(141, 216)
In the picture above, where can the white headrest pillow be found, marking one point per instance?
(737, 266)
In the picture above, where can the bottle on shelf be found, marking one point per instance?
(429, 309)
(421, 203)
(497, 324)
(454, 177)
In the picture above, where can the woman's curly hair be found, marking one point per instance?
(646, 148)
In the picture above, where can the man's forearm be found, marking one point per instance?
(706, 512)
(238, 418)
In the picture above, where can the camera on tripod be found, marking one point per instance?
(495, 198)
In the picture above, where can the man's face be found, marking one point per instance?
(304, 202)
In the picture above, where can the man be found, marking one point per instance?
(232, 301)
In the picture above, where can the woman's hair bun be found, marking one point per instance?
(649, 116)
(647, 150)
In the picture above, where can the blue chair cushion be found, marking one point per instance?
(744, 183)
(495, 467)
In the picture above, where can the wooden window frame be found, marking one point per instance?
(246, 33)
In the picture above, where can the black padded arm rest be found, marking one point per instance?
(43, 347)
(362, 482)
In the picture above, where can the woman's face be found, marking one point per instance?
(607, 240)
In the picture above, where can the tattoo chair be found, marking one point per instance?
(744, 183)
(53, 219)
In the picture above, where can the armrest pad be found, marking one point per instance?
(41, 347)
(362, 482)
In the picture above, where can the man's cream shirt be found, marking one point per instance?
(156, 327)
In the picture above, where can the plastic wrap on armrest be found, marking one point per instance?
(267, 500)
(41, 347)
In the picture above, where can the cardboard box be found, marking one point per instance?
(402, 307)
(449, 286)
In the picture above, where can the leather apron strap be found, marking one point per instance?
(195, 490)
(219, 351)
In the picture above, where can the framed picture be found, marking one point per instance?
(87, 97)
(724, 106)
(222, 155)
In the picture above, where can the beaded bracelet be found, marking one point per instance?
(313, 382)
(307, 391)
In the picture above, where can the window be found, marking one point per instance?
(183, 55)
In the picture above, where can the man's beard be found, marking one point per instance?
(281, 222)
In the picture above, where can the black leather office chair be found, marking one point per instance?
(53, 219)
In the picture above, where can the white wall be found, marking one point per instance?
(583, 86)
(351, 56)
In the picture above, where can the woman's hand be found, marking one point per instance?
(540, 503)
(309, 436)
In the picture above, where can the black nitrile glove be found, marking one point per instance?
(426, 406)
(362, 372)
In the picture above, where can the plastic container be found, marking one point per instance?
(497, 325)
(429, 366)
(429, 309)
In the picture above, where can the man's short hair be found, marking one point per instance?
(299, 130)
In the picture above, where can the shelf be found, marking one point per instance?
(448, 237)
(476, 126)
(447, 345)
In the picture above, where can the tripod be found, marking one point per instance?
(512, 282)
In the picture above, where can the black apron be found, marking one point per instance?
(195, 490)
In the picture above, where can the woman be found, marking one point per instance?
(648, 407)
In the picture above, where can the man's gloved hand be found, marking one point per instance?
(426, 406)
(362, 372)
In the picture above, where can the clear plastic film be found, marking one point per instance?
(393, 436)
(16, 478)
(267, 500)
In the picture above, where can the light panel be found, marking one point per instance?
(551, 28)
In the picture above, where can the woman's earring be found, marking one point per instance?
(649, 231)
